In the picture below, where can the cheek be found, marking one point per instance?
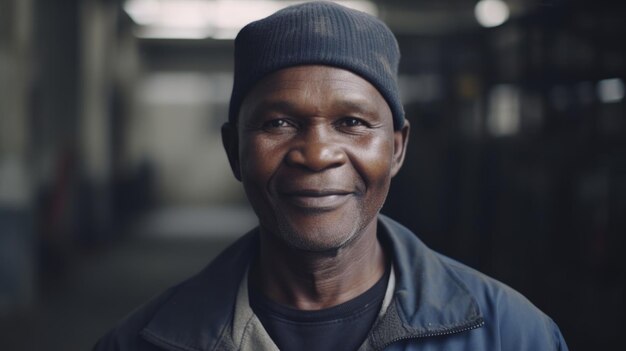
(375, 161)
(259, 160)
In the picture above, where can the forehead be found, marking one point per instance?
(319, 86)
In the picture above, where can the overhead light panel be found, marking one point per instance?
(199, 19)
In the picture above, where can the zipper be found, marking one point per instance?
(457, 330)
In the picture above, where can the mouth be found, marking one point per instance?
(317, 199)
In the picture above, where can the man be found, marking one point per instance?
(316, 132)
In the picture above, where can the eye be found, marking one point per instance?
(277, 123)
(352, 122)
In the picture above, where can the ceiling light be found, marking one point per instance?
(491, 13)
(610, 90)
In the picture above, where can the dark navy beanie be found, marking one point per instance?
(322, 33)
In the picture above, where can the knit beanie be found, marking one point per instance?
(318, 33)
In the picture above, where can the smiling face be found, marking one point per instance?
(316, 150)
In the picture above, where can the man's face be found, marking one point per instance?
(316, 151)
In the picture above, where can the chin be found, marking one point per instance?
(318, 236)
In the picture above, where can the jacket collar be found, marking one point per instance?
(429, 299)
(199, 312)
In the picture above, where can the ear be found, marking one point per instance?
(230, 140)
(400, 142)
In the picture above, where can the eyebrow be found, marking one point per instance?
(353, 106)
(358, 106)
(274, 105)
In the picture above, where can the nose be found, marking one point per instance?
(316, 151)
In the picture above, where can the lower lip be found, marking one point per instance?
(320, 203)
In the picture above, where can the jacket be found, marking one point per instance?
(437, 304)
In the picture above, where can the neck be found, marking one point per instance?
(314, 280)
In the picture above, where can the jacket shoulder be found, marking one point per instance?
(181, 298)
(511, 321)
(519, 324)
(126, 334)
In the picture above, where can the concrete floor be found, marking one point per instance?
(99, 288)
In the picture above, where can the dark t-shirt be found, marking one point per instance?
(341, 327)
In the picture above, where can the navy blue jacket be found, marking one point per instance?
(438, 304)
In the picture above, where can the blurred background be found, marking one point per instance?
(114, 184)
